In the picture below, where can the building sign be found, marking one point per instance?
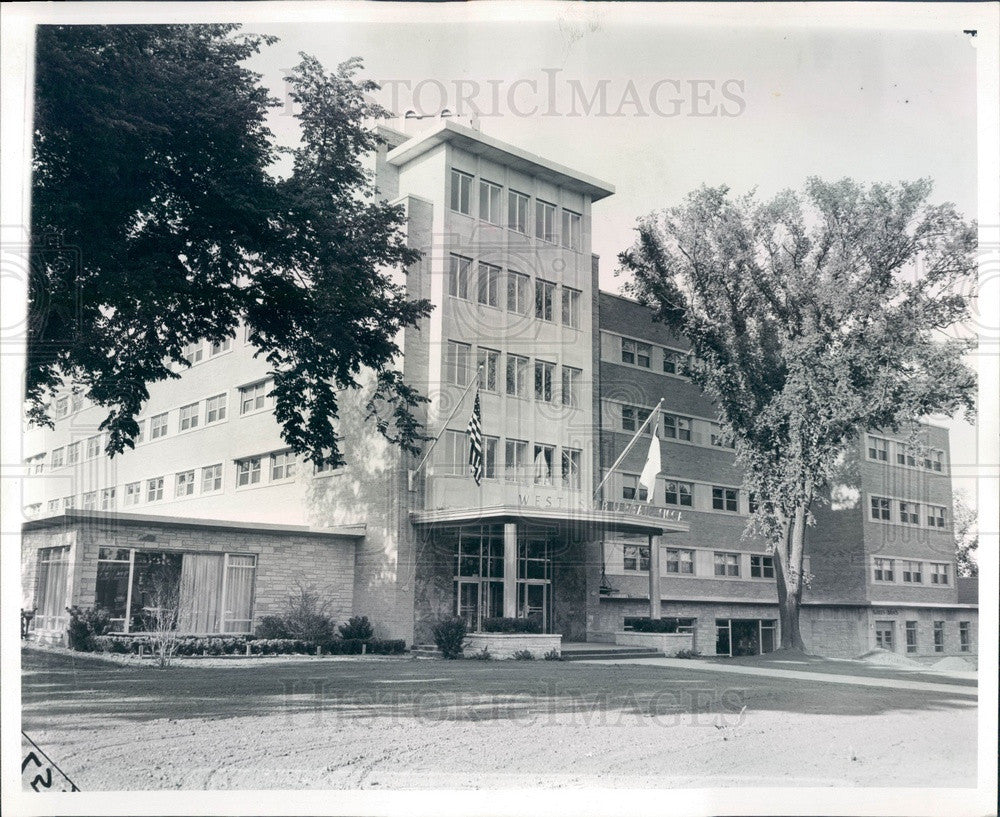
(641, 509)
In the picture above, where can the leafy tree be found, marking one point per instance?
(812, 317)
(157, 221)
(966, 536)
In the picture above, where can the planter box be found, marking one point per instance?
(504, 645)
(667, 643)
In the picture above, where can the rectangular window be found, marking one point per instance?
(211, 478)
(457, 363)
(544, 455)
(935, 516)
(762, 567)
(636, 557)
(248, 471)
(878, 449)
(571, 468)
(93, 446)
(69, 502)
(631, 489)
(62, 407)
(680, 561)
(517, 211)
(517, 293)
(674, 362)
(545, 221)
(885, 570)
(154, 489)
(490, 197)
(544, 295)
(52, 598)
(909, 513)
(516, 460)
(459, 273)
(727, 564)
(937, 460)
(911, 636)
(237, 601)
(72, 453)
(253, 397)
(571, 386)
(880, 508)
(215, 408)
(517, 376)
(912, 572)
(58, 457)
(456, 453)
(133, 492)
(141, 436)
(676, 428)
(193, 352)
(572, 233)
(678, 493)
(489, 361)
(636, 353)
(725, 499)
(490, 445)
(544, 375)
(53, 505)
(488, 290)
(461, 192)
(158, 426)
(221, 346)
(905, 455)
(964, 636)
(633, 417)
(884, 635)
(188, 416)
(939, 573)
(282, 465)
(571, 307)
(108, 499)
(90, 501)
(938, 636)
(184, 485)
(75, 402)
(718, 438)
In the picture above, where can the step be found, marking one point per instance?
(610, 655)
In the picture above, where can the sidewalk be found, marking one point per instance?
(822, 677)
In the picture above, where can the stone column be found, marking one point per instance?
(654, 576)
(510, 569)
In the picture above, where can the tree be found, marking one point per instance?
(157, 222)
(966, 536)
(812, 317)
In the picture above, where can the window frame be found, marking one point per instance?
(725, 499)
(519, 224)
(572, 224)
(462, 191)
(516, 365)
(729, 561)
(245, 466)
(190, 414)
(545, 221)
(679, 557)
(490, 273)
(487, 189)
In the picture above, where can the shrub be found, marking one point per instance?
(84, 626)
(357, 628)
(483, 655)
(553, 655)
(511, 625)
(271, 627)
(307, 617)
(652, 625)
(449, 635)
(687, 654)
(524, 655)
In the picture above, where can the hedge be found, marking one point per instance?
(237, 645)
(511, 625)
(652, 625)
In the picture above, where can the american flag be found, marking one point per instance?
(475, 431)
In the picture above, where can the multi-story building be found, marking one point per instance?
(565, 376)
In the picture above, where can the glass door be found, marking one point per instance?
(534, 602)
(467, 603)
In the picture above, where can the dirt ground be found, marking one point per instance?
(469, 724)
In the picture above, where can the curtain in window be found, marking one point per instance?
(201, 587)
(239, 594)
(53, 571)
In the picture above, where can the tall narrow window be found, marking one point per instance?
(133, 493)
(488, 361)
(490, 457)
(457, 363)
(572, 234)
(461, 192)
(237, 606)
(545, 221)
(488, 289)
(52, 598)
(571, 468)
(544, 372)
(93, 446)
(62, 407)
(544, 295)
(515, 460)
(108, 499)
(543, 464)
(571, 386)
(965, 636)
(490, 196)
(911, 636)
(459, 272)
(938, 636)
(517, 211)
(517, 376)
(518, 286)
(72, 453)
(571, 307)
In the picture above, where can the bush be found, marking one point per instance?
(524, 655)
(307, 618)
(483, 655)
(449, 635)
(511, 625)
(652, 625)
(687, 654)
(553, 655)
(357, 628)
(84, 626)
(272, 627)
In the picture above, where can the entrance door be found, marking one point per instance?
(533, 601)
(467, 602)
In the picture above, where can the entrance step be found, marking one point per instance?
(425, 651)
(610, 652)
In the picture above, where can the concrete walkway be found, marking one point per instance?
(767, 672)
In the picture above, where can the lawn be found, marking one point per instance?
(470, 724)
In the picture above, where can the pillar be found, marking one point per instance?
(510, 569)
(654, 576)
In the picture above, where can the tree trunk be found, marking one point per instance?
(788, 557)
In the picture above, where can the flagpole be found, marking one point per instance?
(411, 474)
(628, 447)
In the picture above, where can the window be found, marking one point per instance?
(516, 460)
(631, 489)
(490, 445)
(133, 492)
(674, 362)
(461, 193)
(517, 211)
(935, 516)
(939, 573)
(93, 446)
(571, 307)
(459, 272)
(544, 295)
(635, 557)
(938, 636)
(678, 428)
(489, 361)
(911, 636)
(571, 386)
(53, 505)
(253, 397)
(727, 564)
(718, 438)
(90, 501)
(75, 401)
(884, 570)
(571, 468)
(544, 374)
(185, 484)
(636, 353)
(725, 499)
(544, 454)
(52, 598)
(62, 407)
(158, 426)
(762, 567)
(108, 499)
(282, 465)
(572, 235)
(678, 493)
(488, 291)
(545, 221)
(215, 408)
(193, 352)
(211, 478)
(680, 561)
(154, 489)
(517, 376)
(456, 453)
(633, 417)
(69, 502)
(878, 449)
(248, 471)
(880, 508)
(58, 458)
(72, 453)
(517, 293)
(905, 456)
(884, 635)
(490, 197)
(909, 513)
(964, 636)
(189, 416)
(141, 436)
(457, 363)
(937, 460)
(912, 572)
(221, 346)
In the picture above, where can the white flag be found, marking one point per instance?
(648, 477)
